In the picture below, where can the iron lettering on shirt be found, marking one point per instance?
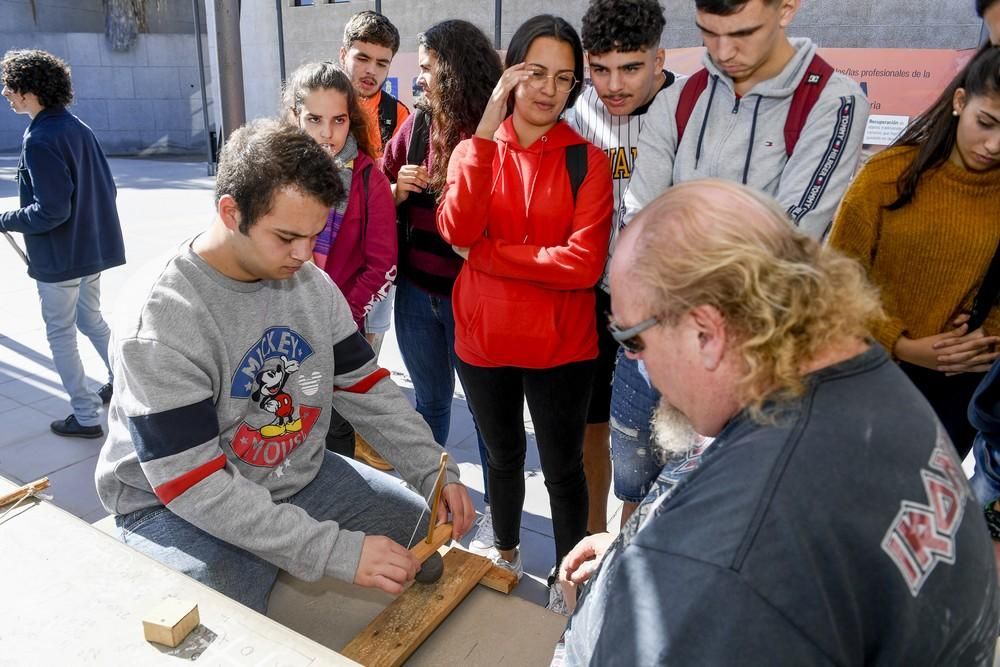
(923, 534)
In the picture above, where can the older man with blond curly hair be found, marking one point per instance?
(826, 524)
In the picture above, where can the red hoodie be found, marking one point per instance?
(525, 296)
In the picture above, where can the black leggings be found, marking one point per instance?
(949, 395)
(557, 400)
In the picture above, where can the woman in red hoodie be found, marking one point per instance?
(358, 246)
(524, 300)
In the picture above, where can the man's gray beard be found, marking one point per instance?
(673, 434)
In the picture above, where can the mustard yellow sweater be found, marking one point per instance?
(928, 258)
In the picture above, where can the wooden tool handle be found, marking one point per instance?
(438, 485)
(423, 549)
(21, 492)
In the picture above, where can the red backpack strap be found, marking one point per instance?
(804, 99)
(692, 90)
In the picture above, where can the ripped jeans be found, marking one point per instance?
(635, 462)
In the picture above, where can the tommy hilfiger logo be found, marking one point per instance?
(814, 78)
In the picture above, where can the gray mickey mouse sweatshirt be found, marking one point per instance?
(222, 403)
(742, 139)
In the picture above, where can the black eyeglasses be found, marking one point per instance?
(629, 338)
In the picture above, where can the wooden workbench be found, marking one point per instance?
(74, 595)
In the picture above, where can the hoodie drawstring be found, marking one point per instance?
(534, 180)
(704, 121)
(753, 131)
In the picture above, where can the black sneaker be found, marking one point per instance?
(106, 392)
(71, 428)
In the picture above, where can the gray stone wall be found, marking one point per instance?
(146, 100)
(315, 32)
(163, 16)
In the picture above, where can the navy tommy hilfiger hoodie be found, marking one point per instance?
(68, 213)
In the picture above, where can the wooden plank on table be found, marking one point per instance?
(422, 550)
(400, 629)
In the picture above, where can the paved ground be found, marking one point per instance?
(161, 203)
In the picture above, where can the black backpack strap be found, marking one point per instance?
(388, 114)
(416, 153)
(365, 176)
(576, 166)
(420, 137)
(986, 297)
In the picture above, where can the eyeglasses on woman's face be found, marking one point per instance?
(538, 78)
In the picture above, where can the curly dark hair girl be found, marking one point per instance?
(325, 76)
(467, 70)
(39, 72)
(622, 25)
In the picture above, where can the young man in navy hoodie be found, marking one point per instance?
(70, 224)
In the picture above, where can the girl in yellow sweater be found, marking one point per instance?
(923, 218)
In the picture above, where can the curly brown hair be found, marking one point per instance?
(467, 70)
(325, 76)
(266, 156)
(622, 25)
(38, 72)
(783, 296)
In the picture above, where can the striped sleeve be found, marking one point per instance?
(171, 411)
(367, 397)
(818, 172)
(171, 417)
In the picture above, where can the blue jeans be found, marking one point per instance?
(986, 478)
(67, 306)
(425, 331)
(635, 462)
(380, 316)
(353, 494)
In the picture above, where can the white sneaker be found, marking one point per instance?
(557, 602)
(484, 538)
(516, 567)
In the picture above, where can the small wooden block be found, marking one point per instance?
(170, 622)
(402, 626)
(499, 579)
(422, 550)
